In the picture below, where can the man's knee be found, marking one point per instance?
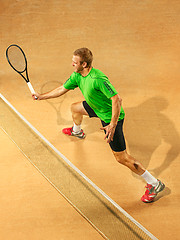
(75, 107)
(78, 108)
(122, 157)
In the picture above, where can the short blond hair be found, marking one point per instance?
(85, 54)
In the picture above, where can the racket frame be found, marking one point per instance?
(21, 72)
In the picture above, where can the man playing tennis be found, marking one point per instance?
(102, 101)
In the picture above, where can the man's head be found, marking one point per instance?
(82, 58)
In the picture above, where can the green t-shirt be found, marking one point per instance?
(97, 91)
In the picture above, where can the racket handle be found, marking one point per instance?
(31, 88)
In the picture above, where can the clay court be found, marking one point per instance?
(136, 44)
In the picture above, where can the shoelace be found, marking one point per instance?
(150, 189)
(148, 186)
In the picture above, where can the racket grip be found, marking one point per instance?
(31, 88)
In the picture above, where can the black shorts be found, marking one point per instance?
(118, 144)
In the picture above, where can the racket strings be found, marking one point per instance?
(16, 59)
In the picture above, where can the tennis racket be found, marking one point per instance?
(17, 60)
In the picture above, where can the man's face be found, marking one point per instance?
(76, 63)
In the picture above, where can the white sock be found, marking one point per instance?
(149, 178)
(76, 128)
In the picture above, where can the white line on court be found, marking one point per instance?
(79, 172)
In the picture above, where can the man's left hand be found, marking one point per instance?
(109, 129)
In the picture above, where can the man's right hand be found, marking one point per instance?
(36, 96)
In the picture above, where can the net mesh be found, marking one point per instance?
(100, 212)
(16, 58)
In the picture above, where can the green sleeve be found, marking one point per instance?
(71, 83)
(104, 85)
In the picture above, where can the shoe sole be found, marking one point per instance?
(80, 137)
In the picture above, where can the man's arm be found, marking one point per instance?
(57, 92)
(116, 108)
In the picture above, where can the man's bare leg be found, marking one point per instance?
(154, 186)
(78, 111)
(130, 162)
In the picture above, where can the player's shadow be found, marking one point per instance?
(56, 103)
(145, 128)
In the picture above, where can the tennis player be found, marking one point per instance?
(101, 101)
